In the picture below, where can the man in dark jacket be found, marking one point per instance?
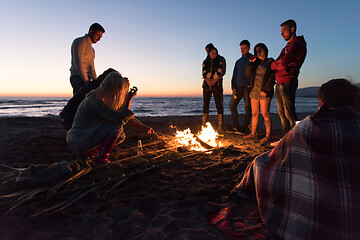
(287, 67)
(241, 88)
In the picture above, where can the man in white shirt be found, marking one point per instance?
(82, 57)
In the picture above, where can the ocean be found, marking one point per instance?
(142, 106)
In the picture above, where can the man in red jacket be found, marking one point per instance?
(287, 67)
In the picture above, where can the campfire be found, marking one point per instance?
(203, 141)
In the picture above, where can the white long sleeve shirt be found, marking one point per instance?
(82, 58)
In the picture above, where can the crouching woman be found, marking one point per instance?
(100, 118)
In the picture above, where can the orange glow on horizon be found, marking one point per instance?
(70, 95)
(146, 94)
(35, 95)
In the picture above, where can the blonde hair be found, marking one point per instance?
(113, 91)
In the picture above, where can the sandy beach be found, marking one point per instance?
(169, 201)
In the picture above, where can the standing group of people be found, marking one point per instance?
(253, 80)
(107, 106)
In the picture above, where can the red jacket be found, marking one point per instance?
(291, 58)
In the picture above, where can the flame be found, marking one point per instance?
(207, 135)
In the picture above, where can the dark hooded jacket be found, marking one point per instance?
(213, 66)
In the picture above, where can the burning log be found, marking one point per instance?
(203, 141)
(203, 144)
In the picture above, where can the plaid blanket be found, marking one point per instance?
(308, 186)
(240, 222)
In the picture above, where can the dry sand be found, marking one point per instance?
(171, 201)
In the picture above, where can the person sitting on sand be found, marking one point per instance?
(262, 81)
(100, 118)
(308, 186)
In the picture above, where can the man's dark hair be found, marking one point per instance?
(245, 42)
(290, 23)
(339, 93)
(262, 45)
(96, 26)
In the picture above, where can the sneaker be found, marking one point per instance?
(273, 144)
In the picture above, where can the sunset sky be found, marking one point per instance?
(159, 45)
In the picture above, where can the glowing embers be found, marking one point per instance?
(203, 141)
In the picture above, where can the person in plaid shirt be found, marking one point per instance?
(308, 186)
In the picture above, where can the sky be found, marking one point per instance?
(159, 44)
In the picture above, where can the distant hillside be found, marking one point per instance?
(310, 91)
(307, 92)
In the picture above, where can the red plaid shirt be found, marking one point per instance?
(308, 186)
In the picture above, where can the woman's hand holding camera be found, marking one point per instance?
(132, 93)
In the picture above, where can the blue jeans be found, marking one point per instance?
(242, 92)
(218, 97)
(285, 101)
